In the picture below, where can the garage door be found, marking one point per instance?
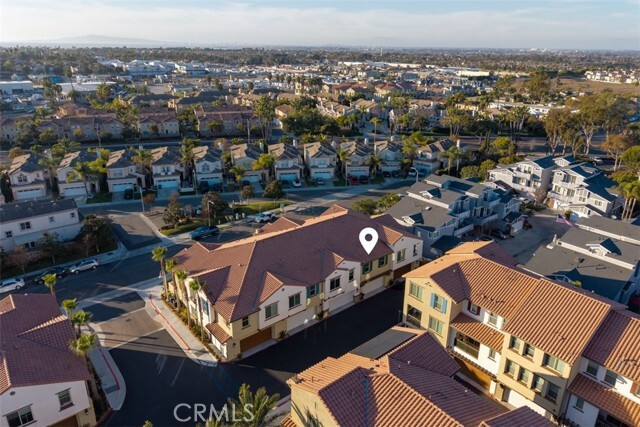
(339, 301)
(121, 187)
(372, 286)
(255, 339)
(75, 191)
(474, 372)
(319, 174)
(299, 318)
(28, 194)
(166, 183)
(287, 176)
(358, 172)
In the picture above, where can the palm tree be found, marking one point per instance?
(238, 172)
(260, 404)
(158, 255)
(81, 318)
(82, 346)
(181, 276)
(80, 171)
(376, 121)
(343, 158)
(266, 162)
(195, 287)
(69, 306)
(50, 281)
(409, 150)
(64, 147)
(169, 266)
(50, 164)
(452, 154)
(144, 159)
(188, 159)
(374, 161)
(631, 193)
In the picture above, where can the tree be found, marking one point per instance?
(237, 172)
(81, 347)
(170, 267)
(246, 192)
(51, 92)
(631, 159)
(502, 145)
(615, 145)
(50, 281)
(214, 201)
(453, 154)
(374, 161)
(70, 306)
(64, 147)
(144, 158)
(173, 214)
(455, 119)
(154, 130)
(342, 159)
(274, 190)
(49, 244)
(47, 137)
(181, 277)
(80, 171)
(470, 172)
(538, 85)
(103, 93)
(195, 287)
(485, 167)
(409, 151)
(80, 319)
(188, 158)
(365, 206)
(51, 165)
(259, 404)
(385, 202)
(265, 110)
(15, 152)
(375, 121)
(215, 126)
(20, 257)
(265, 162)
(98, 228)
(158, 254)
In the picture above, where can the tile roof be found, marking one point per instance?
(238, 274)
(25, 163)
(616, 344)
(319, 149)
(521, 417)
(284, 151)
(219, 333)
(485, 334)
(34, 343)
(607, 399)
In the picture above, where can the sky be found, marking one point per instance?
(573, 24)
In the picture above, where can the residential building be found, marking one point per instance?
(244, 156)
(23, 223)
(428, 157)
(391, 155)
(44, 383)
(516, 334)
(69, 184)
(208, 164)
(592, 258)
(289, 163)
(165, 167)
(584, 190)
(27, 177)
(231, 120)
(359, 153)
(320, 159)
(401, 377)
(122, 173)
(158, 125)
(531, 176)
(619, 230)
(290, 274)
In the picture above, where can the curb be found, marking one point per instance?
(155, 308)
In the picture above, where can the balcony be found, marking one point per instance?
(467, 348)
(413, 321)
(464, 227)
(485, 220)
(461, 214)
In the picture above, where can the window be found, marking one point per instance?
(383, 261)
(538, 383)
(65, 399)
(435, 325)
(610, 378)
(205, 306)
(205, 167)
(334, 284)
(25, 226)
(294, 300)
(52, 219)
(414, 316)
(22, 178)
(467, 344)
(528, 350)
(579, 405)
(415, 249)
(20, 417)
(438, 303)
(367, 267)
(523, 375)
(553, 363)
(514, 343)
(352, 273)
(552, 392)
(312, 291)
(401, 255)
(415, 291)
(72, 214)
(592, 368)
(473, 308)
(8, 234)
(510, 368)
(492, 354)
(271, 310)
(245, 322)
(30, 245)
(493, 319)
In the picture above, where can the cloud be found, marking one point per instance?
(305, 23)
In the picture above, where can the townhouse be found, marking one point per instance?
(290, 275)
(335, 109)
(27, 177)
(122, 173)
(428, 156)
(162, 123)
(208, 166)
(9, 128)
(487, 312)
(401, 377)
(530, 176)
(24, 223)
(44, 383)
(391, 154)
(447, 206)
(320, 159)
(584, 190)
(233, 120)
(245, 156)
(595, 258)
(289, 165)
(76, 186)
(359, 153)
(370, 109)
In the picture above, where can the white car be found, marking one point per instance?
(296, 182)
(265, 217)
(596, 160)
(11, 284)
(87, 264)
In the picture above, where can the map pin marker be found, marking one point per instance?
(368, 245)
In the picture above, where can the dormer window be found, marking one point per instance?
(206, 167)
(22, 178)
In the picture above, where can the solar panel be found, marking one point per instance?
(383, 343)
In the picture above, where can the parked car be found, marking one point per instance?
(595, 159)
(499, 234)
(286, 183)
(364, 179)
(11, 284)
(296, 182)
(246, 182)
(204, 187)
(60, 272)
(203, 231)
(395, 174)
(87, 264)
(412, 173)
(353, 180)
(128, 194)
(386, 174)
(319, 181)
(422, 173)
(265, 217)
(486, 239)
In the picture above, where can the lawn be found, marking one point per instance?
(258, 207)
(100, 198)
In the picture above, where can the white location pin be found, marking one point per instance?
(368, 245)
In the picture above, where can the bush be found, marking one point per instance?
(274, 190)
(365, 206)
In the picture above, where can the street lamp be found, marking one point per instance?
(417, 173)
(141, 198)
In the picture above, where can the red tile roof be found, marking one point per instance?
(34, 343)
(478, 331)
(607, 399)
(521, 417)
(616, 345)
(219, 333)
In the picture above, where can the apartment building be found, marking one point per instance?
(320, 159)
(402, 377)
(290, 275)
(289, 164)
(584, 190)
(487, 312)
(27, 177)
(44, 383)
(531, 176)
